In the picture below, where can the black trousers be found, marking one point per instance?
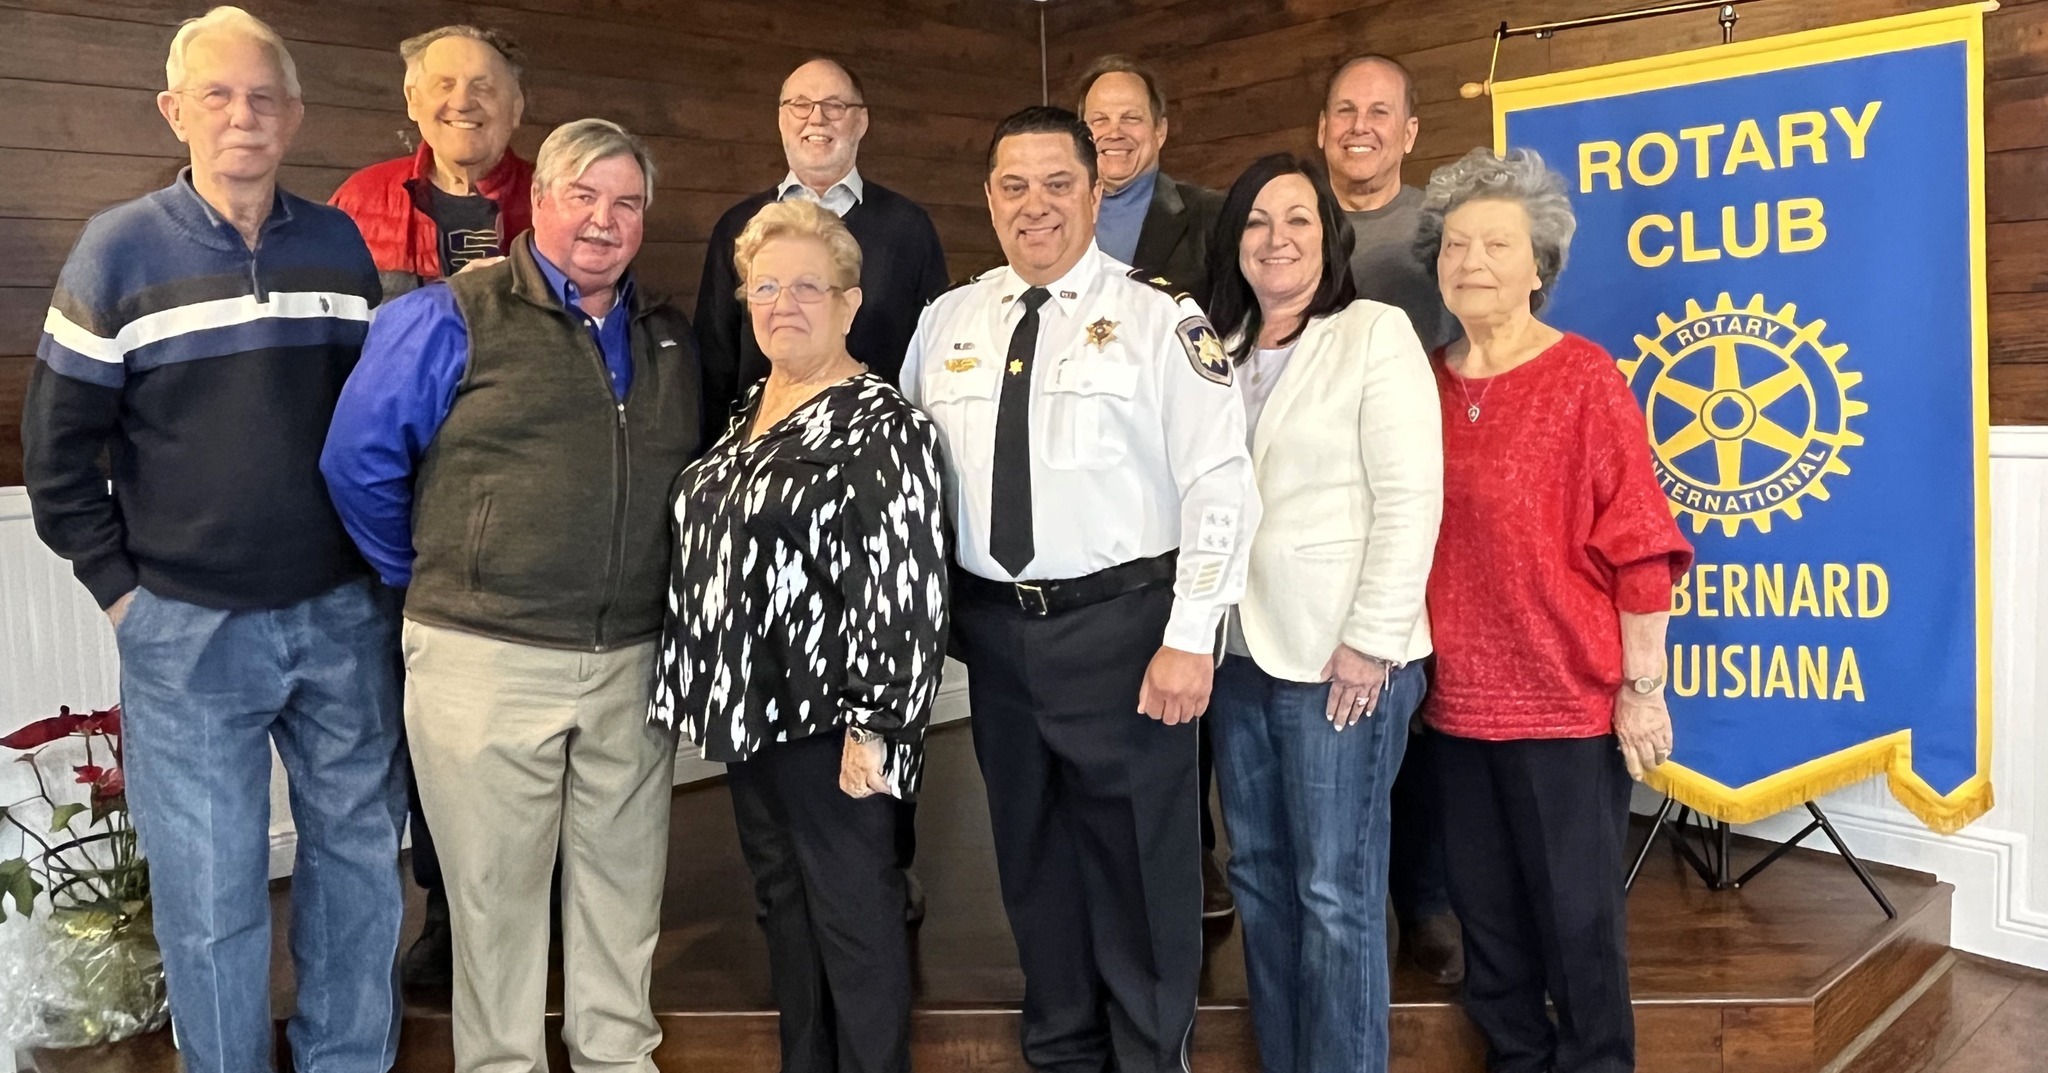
(426, 863)
(1415, 847)
(1206, 772)
(1097, 839)
(1537, 833)
(824, 867)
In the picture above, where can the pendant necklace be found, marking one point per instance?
(1471, 404)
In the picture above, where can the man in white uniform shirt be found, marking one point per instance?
(1103, 500)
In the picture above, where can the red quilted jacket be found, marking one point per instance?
(388, 202)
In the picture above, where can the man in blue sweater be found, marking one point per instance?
(823, 115)
(198, 338)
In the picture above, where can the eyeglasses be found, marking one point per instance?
(806, 291)
(218, 98)
(835, 109)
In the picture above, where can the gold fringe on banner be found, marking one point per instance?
(1890, 756)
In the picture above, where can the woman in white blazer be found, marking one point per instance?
(1312, 701)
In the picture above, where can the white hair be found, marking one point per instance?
(576, 145)
(1520, 177)
(413, 48)
(227, 19)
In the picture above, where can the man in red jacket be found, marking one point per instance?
(464, 195)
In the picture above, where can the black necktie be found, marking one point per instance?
(1009, 536)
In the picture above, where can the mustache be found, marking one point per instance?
(603, 235)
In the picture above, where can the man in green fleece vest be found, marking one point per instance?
(505, 450)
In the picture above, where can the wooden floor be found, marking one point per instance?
(1781, 977)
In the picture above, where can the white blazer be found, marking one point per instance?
(1349, 454)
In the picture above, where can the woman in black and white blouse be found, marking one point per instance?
(805, 637)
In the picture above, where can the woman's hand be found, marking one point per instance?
(860, 769)
(1356, 681)
(1643, 725)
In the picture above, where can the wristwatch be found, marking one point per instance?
(862, 735)
(1643, 687)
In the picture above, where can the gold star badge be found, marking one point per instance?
(1016, 366)
(1102, 333)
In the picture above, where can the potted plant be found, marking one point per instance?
(98, 975)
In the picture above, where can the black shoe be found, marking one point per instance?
(430, 963)
(1216, 899)
(913, 901)
(1437, 947)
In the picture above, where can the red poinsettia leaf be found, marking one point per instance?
(90, 774)
(112, 784)
(106, 722)
(44, 731)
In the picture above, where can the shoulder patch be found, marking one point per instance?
(1160, 283)
(1205, 349)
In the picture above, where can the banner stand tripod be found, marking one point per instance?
(1711, 858)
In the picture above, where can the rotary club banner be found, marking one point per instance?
(1782, 244)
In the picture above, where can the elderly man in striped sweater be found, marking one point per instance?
(198, 339)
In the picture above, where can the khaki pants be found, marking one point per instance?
(522, 752)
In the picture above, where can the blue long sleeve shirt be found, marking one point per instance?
(400, 393)
(1122, 219)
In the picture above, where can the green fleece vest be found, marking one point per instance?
(541, 510)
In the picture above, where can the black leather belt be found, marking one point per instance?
(1042, 599)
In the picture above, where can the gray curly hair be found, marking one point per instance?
(1520, 177)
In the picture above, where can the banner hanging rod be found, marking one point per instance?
(1543, 31)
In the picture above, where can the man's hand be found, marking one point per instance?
(1643, 725)
(118, 610)
(1176, 688)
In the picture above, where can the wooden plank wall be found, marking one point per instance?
(1245, 78)
(697, 78)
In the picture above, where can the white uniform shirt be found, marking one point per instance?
(1137, 437)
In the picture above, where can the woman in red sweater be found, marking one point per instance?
(1548, 599)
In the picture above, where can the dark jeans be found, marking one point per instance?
(1097, 842)
(824, 866)
(1537, 846)
(205, 694)
(1308, 811)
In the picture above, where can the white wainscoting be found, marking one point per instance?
(55, 648)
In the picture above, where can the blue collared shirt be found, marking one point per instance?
(613, 335)
(1122, 218)
(838, 199)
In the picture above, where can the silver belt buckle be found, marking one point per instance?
(1029, 593)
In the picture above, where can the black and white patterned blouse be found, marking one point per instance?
(809, 586)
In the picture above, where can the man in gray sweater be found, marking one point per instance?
(1366, 128)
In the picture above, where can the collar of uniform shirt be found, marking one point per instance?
(1066, 290)
(565, 290)
(839, 205)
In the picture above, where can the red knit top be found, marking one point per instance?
(1553, 524)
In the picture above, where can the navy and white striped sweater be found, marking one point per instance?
(207, 374)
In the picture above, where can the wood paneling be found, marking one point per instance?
(696, 78)
(1246, 79)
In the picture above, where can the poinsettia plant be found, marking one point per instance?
(88, 863)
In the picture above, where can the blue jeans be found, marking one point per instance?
(205, 693)
(1307, 809)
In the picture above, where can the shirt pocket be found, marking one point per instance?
(1088, 413)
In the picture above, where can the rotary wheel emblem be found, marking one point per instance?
(1748, 411)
